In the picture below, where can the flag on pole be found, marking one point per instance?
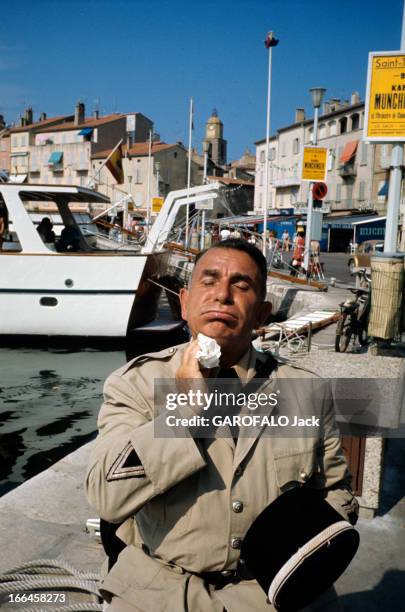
(114, 164)
(271, 40)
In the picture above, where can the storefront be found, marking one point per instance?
(341, 231)
(374, 229)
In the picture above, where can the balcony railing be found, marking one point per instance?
(287, 181)
(80, 166)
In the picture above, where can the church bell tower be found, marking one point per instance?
(214, 132)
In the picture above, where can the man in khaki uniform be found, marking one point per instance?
(186, 503)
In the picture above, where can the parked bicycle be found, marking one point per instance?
(354, 316)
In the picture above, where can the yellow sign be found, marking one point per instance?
(314, 164)
(157, 204)
(385, 98)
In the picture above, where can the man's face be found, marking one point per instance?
(223, 300)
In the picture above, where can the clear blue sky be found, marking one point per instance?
(151, 56)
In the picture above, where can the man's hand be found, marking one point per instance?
(190, 367)
(190, 375)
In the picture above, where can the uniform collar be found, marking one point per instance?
(246, 366)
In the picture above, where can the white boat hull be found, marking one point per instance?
(68, 295)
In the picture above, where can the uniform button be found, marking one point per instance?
(239, 470)
(236, 542)
(237, 506)
(227, 573)
(304, 475)
(171, 350)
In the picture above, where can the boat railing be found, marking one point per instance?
(159, 233)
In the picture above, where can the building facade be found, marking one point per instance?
(60, 150)
(356, 170)
(144, 177)
(4, 147)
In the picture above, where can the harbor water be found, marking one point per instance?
(49, 402)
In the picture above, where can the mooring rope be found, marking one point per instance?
(45, 575)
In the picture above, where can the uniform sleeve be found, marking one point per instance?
(128, 465)
(335, 477)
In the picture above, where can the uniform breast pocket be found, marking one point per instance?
(294, 469)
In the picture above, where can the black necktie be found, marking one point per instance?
(230, 373)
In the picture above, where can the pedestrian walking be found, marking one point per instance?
(285, 238)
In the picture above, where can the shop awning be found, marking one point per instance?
(384, 189)
(56, 157)
(348, 222)
(86, 132)
(349, 151)
(17, 178)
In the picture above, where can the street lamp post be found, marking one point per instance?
(317, 94)
(270, 42)
(395, 181)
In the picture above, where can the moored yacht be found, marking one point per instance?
(74, 289)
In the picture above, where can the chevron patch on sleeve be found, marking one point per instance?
(127, 465)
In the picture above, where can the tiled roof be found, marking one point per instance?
(40, 124)
(139, 149)
(87, 123)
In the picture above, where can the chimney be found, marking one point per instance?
(28, 116)
(79, 113)
(334, 104)
(355, 98)
(326, 108)
(42, 117)
(299, 115)
(96, 114)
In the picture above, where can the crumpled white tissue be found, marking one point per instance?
(210, 351)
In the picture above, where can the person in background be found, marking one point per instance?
(207, 238)
(194, 239)
(315, 248)
(298, 254)
(3, 224)
(215, 235)
(225, 233)
(45, 230)
(69, 240)
(286, 240)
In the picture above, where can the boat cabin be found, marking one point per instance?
(20, 234)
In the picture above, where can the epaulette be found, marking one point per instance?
(285, 361)
(162, 355)
(298, 367)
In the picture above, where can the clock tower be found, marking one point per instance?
(214, 131)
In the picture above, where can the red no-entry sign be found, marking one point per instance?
(319, 191)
